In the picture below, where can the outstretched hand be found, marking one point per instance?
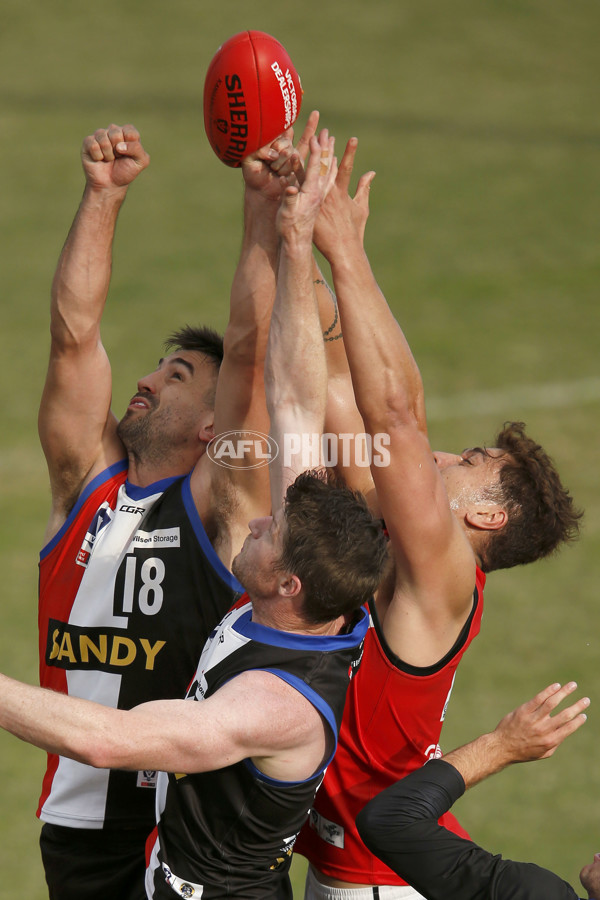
(113, 157)
(343, 219)
(273, 167)
(532, 732)
(300, 205)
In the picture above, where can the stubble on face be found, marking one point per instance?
(152, 438)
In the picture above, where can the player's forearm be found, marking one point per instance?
(82, 276)
(385, 376)
(480, 758)
(56, 723)
(295, 371)
(253, 286)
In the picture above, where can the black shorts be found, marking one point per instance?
(94, 864)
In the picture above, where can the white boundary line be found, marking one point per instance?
(509, 401)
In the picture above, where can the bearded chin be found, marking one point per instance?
(139, 439)
(133, 432)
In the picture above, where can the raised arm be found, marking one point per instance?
(76, 428)
(295, 370)
(435, 566)
(240, 404)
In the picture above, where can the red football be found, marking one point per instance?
(252, 93)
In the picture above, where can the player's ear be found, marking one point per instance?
(487, 518)
(289, 585)
(207, 431)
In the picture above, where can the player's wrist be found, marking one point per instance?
(105, 194)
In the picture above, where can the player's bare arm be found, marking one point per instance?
(434, 563)
(296, 374)
(76, 427)
(255, 715)
(240, 494)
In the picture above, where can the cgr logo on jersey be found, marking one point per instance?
(105, 649)
(136, 510)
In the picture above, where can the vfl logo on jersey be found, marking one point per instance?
(103, 517)
(93, 649)
(146, 779)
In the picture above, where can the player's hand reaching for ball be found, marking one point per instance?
(113, 157)
(300, 205)
(272, 168)
(341, 226)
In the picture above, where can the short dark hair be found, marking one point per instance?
(541, 513)
(202, 339)
(333, 544)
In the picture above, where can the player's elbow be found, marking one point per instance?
(394, 405)
(369, 827)
(100, 753)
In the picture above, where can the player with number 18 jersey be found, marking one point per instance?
(130, 588)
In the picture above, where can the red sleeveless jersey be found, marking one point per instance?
(392, 723)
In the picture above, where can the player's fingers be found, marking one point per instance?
(331, 176)
(347, 164)
(560, 734)
(327, 145)
(538, 701)
(310, 129)
(92, 149)
(312, 168)
(297, 168)
(281, 146)
(571, 712)
(284, 164)
(290, 196)
(115, 134)
(130, 133)
(556, 697)
(104, 143)
(363, 188)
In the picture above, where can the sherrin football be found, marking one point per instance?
(252, 93)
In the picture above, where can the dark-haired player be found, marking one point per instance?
(135, 571)
(260, 724)
(451, 519)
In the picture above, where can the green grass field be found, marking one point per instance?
(481, 121)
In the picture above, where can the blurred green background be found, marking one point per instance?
(481, 121)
